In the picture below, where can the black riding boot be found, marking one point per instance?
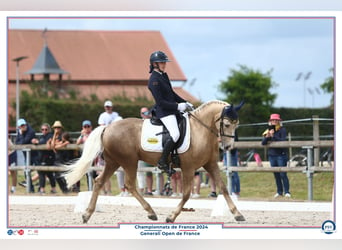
(163, 161)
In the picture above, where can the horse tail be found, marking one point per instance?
(92, 148)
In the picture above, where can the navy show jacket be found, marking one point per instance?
(165, 97)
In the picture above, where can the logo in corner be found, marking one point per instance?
(15, 232)
(328, 227)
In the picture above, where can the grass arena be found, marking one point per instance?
(65, 211)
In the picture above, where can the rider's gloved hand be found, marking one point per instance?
(182, 106)
(190, 106)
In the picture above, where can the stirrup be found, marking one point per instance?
(166, 169)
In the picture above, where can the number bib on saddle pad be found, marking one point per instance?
(152, 136)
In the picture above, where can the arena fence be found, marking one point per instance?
(309, 170)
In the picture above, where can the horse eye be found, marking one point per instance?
(227, 125)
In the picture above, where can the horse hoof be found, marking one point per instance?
(239, 218)
(85, 219)
(153, 217)
(168, 220)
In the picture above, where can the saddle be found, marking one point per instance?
(154, 135)
(181, 121)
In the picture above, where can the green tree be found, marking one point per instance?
(328, 85)
(253, 87)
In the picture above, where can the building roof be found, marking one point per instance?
(92, 55)
(46, 63)
(103, 63)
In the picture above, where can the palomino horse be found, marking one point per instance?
(120, 144)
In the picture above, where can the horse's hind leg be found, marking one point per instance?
(99, 182)
(214, 171)
(130, 184)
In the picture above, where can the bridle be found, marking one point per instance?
(221, 119)
(232, 121)
(230, 116)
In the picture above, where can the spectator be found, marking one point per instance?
(196, 187)
(205, 180)
(85, 132)
(58, 141)
(145, 181)
(106, 118)
(25, 135)
(177, 185)
(234, 163)
(12, 161)
(213, 193)
(235, 176)
(46, 158)
(277, 156)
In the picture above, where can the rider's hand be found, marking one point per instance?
(182, 106)
(190, 106)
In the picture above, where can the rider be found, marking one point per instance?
(168, 104)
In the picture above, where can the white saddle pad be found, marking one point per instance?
(152, 142)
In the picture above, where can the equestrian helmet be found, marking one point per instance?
(159, 56)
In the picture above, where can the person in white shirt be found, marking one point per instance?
(106, 118)
(109, 115)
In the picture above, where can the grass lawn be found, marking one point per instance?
(254, 186)
(262, 185)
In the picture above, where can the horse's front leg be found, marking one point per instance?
(233, 209)
(99, 182)
(214, 171)
(187, 182)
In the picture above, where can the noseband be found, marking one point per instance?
(222, 134)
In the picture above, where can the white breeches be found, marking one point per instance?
(170, 123)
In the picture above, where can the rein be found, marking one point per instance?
(210, 129)
(204, 125)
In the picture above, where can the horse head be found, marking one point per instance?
(229, 121)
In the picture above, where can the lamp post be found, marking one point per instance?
(17, 60)
(305, 77)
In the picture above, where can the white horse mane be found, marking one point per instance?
(204, 105)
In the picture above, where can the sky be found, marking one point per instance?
(207, 49)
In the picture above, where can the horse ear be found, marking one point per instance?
(237, 108)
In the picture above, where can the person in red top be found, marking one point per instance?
(277, 156)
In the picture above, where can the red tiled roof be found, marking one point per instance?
(93, 55)
(104, 63)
